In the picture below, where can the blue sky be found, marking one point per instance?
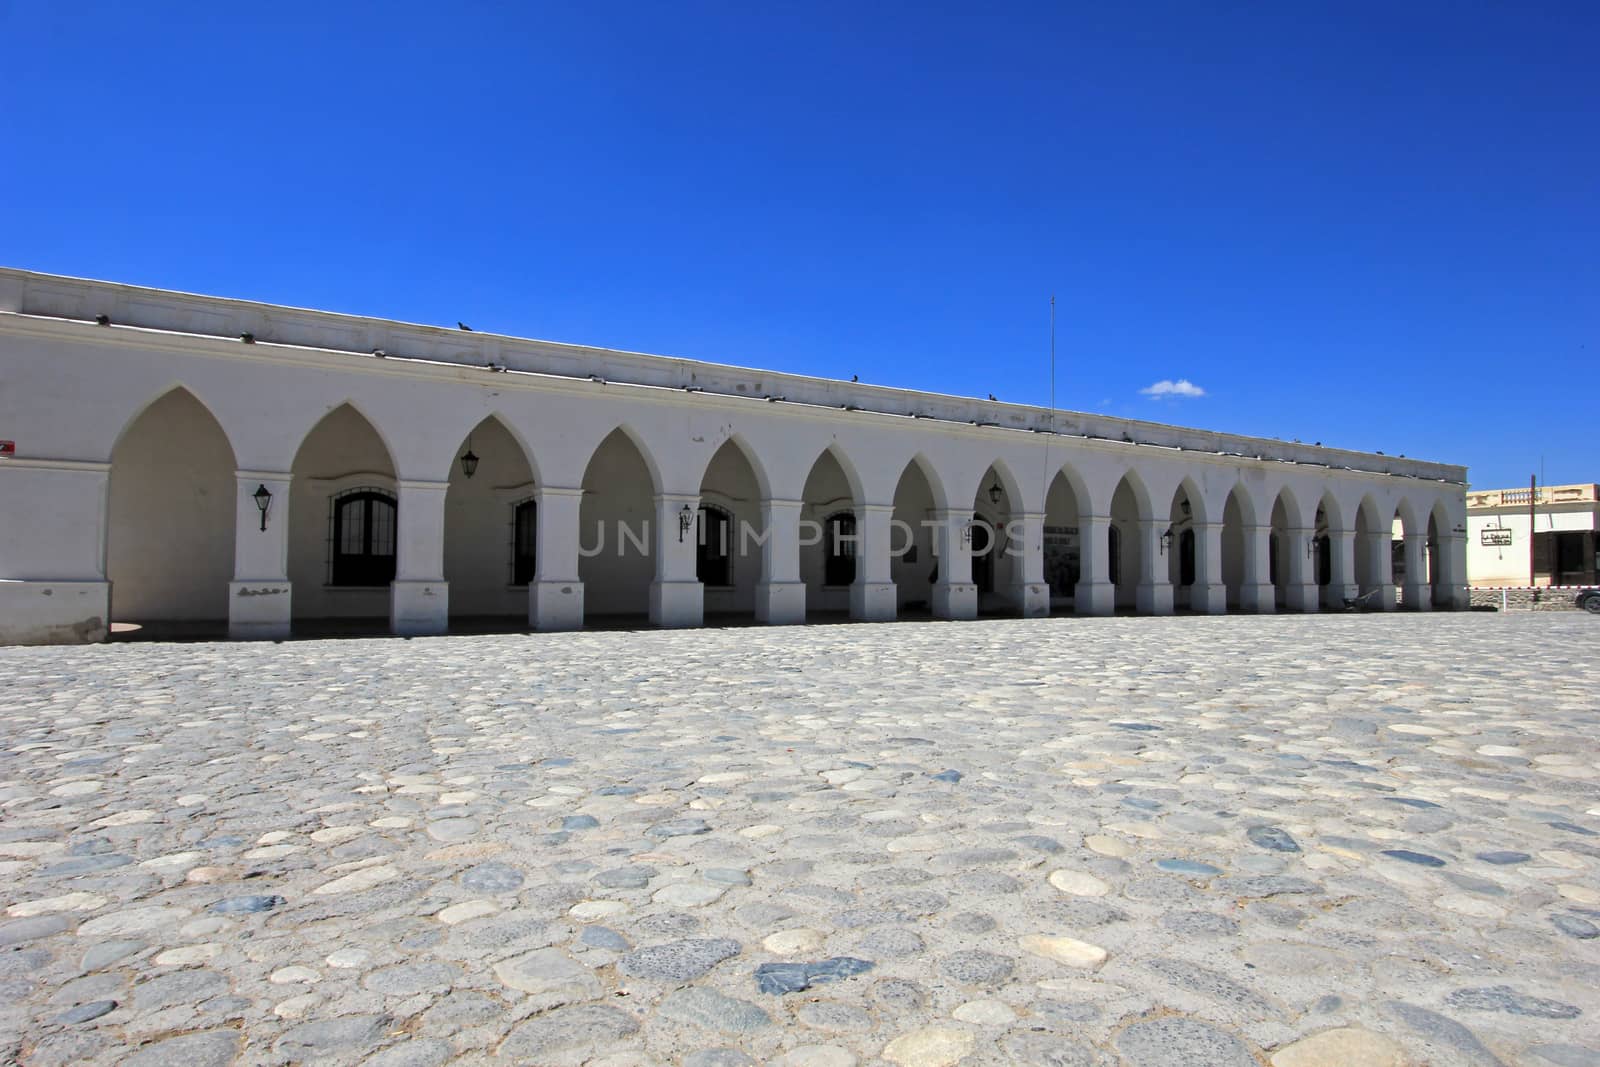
(1371, 225)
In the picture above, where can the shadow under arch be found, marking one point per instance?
(616, 534)
(171, 514)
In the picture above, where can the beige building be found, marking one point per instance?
(1544, 537)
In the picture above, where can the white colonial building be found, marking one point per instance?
(172, 459)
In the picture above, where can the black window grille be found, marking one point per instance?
(362, 538)
(524, 542)
(713, 563)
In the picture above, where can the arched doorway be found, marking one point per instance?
(828, 545)
(1063, 549)
(490, 530)
(727, 559)
(1233, 548)
(616, 562)
(1181, 551)
(343, 521)
(1281, 569)
(170, 522)
(996, 562)
(1374, 556)
(1124, 547)
(913, 563)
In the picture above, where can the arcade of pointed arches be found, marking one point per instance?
(172, 524)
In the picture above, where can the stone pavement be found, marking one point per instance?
(1301, 841)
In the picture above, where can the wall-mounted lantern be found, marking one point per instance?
(263, 498)
(685, 520)
(469, 460)
(996, 492)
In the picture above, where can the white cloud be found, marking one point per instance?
(1166, 387)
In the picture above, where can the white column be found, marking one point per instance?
(954, 595)
(1025, 542)
(677, 599)
(1208, 595)
(259, 595)
(1095, 595)
(872, 594)
(1417, 594)
(1380, 552)
(1298, 560)
(555, 596)
(1342, 583)
(780, 595)
(1154, 591)
(1255, 592)
(53, 588)
(419, 598)
(1453, 557)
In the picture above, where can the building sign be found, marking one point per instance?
(1495, 536)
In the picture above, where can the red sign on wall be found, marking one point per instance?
(8, 448)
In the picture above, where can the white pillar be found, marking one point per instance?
(1256, 593)
(419, 598)
(555, 596)
(1342, 583)
(954, 594)
(1417, 593)
(780, 595)
(1095, 595)
(677, 599)
(53, 588)
(1208, 595)
(259, 595)
(872, 594)
(1453, 558)
(1380, 568)
(1025, 544)
(1154, 592)
(1297, 561)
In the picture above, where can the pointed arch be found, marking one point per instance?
(741, 444)
(1066, 501)
(342, 501)
(636, 439)
(491, 526)
(616, 562)
(171, 511)
(514, 431)
(161, 394)
(728, 562)
(333, 414)
(941, 497)
(830, 495)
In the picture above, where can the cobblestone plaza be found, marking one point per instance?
(1296, 840)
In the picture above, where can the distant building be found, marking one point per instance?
(1562, 521)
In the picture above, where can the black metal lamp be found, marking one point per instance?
(996, 491)
(685, 520)
(469, 460)
(263, 498)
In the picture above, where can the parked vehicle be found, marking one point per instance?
(1588, 600)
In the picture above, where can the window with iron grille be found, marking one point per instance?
(362, 538)
(713, 560)
(524, 541)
